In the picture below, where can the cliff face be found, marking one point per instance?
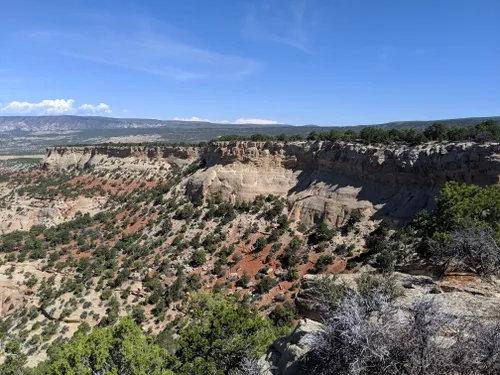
(81, 157)
(320, 180)
(424, 165)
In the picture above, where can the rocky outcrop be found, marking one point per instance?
(331, 179)
(423, 165)
(307, 299)
(465, 296)
(326, 180)
(469, 298)
(62, 158)
(24, 212)
(11, 297)
(283, 357)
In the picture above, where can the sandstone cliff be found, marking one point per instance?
(319, 179)
(61, 158)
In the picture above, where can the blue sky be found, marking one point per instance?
(324, 62)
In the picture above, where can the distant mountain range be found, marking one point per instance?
(75, 123)
(66, 122)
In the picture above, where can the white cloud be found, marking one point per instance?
(258, 121)
(100, 108)
(240, 121)
(52, 107)
(194, 118)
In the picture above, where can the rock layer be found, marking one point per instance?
(62, 158)
(320, 180)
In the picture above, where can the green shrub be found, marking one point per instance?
(220, 333)
(260, 244)
(458, 204)
(120, 349)
(385, 284)
(266, 284)
(323, 262)
(198, 258)
(284, 316)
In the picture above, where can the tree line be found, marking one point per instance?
(483, 132)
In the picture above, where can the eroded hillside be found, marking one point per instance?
(100, 232)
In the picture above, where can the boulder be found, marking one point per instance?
(136, 276)
(250, 284)
(279, 297)
(285, 353)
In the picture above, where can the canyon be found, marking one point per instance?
(122, 229)
(320, 180)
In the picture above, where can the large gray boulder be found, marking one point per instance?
(284, 354)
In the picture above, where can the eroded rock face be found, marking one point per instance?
(14, 294)
(63, 158)
(326, 180)
(329, 180)
(24, 212)
(423, 165)
(11, 297)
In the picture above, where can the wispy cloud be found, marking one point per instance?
(279, 21)
(240, 121)
(53, 107)
(142, 44)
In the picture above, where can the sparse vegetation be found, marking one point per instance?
(378, 337)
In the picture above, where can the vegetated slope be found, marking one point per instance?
(424, 124)
(247, 219)
(147, 248)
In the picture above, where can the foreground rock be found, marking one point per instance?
(469, 297)
(283, 356)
